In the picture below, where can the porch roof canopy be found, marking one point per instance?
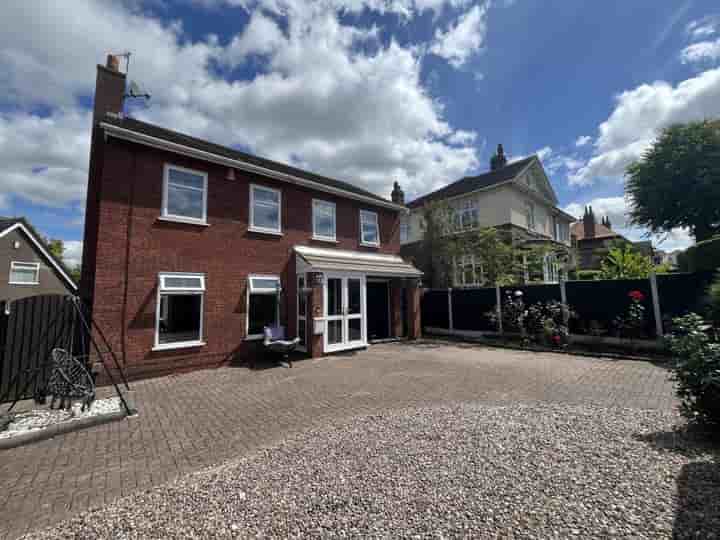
(312, 259)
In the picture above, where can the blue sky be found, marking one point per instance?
(365, 90)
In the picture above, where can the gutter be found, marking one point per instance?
(162, 144)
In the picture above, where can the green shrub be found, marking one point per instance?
(714, 300)
(696, 370)
(701, 257)
(588, 274)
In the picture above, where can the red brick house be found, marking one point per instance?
(191, 248)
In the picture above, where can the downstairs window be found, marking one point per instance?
(180, 310)
(263, 304)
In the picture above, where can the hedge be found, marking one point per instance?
(702, 257)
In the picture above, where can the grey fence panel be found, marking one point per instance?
(470, 308)
(434, 308)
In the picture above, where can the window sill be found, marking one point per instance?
(23, 283)
(265, 231)
(187, 221)
(321, 239)
(179, 345)
(365, 244)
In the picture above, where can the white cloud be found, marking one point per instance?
(583, 140)
(705, 27)
(72, 255)
(45, 160)
(464, 38)
(617, 208)
(462, 137)
(704, 51)
(638, 116)
(321, 101)
(404, 8)
(544, 152)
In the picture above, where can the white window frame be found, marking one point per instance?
(366, 214)
(301, 317)
(468, 207)
(530, 215)
(274, 291)
(459, 266)
(165, 215)
(162, 289)
(551, 268)
(27, 265)
(267, 230)
(318, 203)
(404, 230)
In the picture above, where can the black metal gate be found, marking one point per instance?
(30, 328)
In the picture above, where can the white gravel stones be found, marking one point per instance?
(471, 470)
(43, 418)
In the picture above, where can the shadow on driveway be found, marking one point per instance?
(697, 512)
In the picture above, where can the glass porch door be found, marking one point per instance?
(344, 312)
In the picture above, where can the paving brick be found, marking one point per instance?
(190, 421)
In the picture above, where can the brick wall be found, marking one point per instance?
(132, 246)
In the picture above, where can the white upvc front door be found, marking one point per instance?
(345, 325)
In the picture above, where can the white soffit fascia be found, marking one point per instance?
(162, 144)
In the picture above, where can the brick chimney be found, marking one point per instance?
(498, 161)
(589, 223)
(397, 195)
(109, 89)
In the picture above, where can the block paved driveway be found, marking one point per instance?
(190, 421)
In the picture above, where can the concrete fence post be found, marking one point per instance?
(656, 304)
(450, 318)
(498, 301)
(563, 300)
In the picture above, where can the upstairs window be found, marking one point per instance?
(404, 229)
(369, 230)
(530, 216)
(24, 273)
(184, 194)
(180, 310)
(323, 215)
(466, 217)
(265, 213)
(263, 304)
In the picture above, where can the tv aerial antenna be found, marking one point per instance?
(134, 90)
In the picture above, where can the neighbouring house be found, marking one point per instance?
(192, 248)
(593, 240)
(515, 197)
(29, 267)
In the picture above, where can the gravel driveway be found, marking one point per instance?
(482, 470)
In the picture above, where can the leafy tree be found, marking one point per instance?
(436, 253)
(622, 262)
(56, 247)
(677, 181)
